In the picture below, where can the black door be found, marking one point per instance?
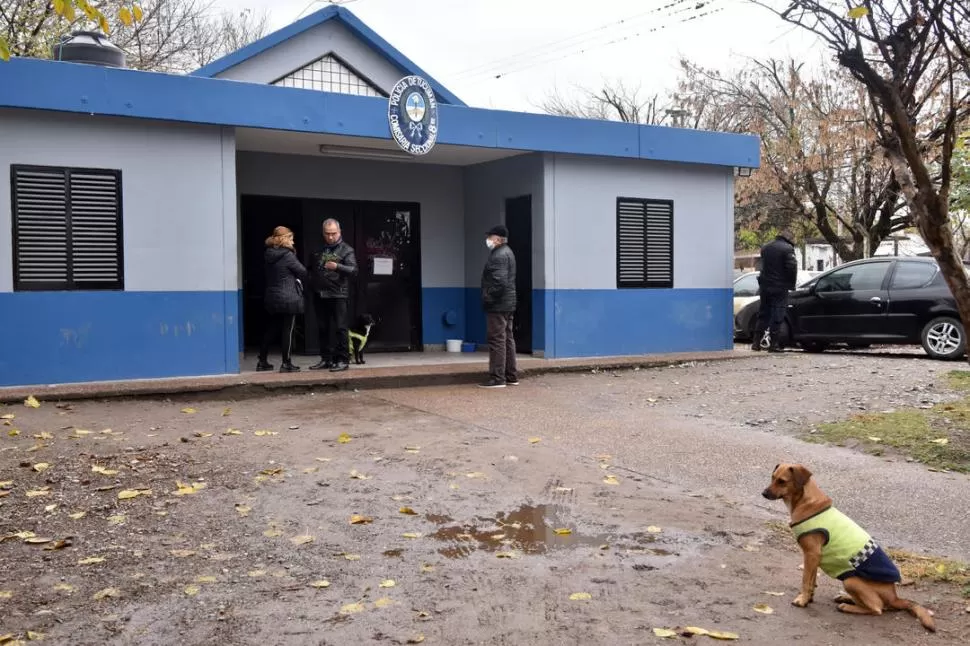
(850, 302)
(518, 219)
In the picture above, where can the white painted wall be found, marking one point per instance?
(486, 188)
(307, 47)
(583, 204)
(178, 192)
(438, 189)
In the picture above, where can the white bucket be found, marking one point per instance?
(453, 345)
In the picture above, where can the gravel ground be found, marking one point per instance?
(656, 473)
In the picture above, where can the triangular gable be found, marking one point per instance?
(346, 19)
(330, 74)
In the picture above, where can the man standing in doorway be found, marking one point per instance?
(779, 270)
(498, 301)
(330, 273)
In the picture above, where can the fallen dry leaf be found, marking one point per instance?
(383, 602)
(128, 494)
(352, 608)
(35, 493)
(360, 520)
(192, 590)
(64, 587)
(91, 560)
(34, 636)
(205, 579)
(188, 489)
(562, 531)
(453, 486)
(356, 475)
(411, 535)
(763, 608)
(775, 594)
(50, 508)
(31, 402)
(40, 467)
(256, 573)
(189, 411)
(6, 594)
(322, 459)
(417, 639)
(243, 510)
(407, 511)
(181, 554)
(201, 434)
(13, 432)
(664, 632)
(611, 480)
(653, 529)
(475, 474)
(320, 584)
(694, 630)
(37, 540)
(264, 433)
(427, 568)
(302, 540)
(941, 441)
(535, 440)
(388, 583)
(117, 519)
(107, 592)
(412, 449)
(8, 417)
(580, 596)
(352, 557)
(226, 412)
(6, 484)
(505, 555)
(343, 438)
(104, 471)
(311, 469)
(272, 532)
(60, 544)
(231, 431)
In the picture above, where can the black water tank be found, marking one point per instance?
(89, 47)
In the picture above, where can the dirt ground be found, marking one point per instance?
(254, 523)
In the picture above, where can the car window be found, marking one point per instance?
(855, 278)
(910, 275)
(746, 286)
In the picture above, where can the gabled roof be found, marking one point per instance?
(348, 20)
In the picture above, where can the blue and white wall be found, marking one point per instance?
(178, 313)
(438, 189)
(586, 315)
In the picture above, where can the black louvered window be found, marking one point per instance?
(66, 229)
(644, 243)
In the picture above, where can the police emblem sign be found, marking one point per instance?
(412, 112)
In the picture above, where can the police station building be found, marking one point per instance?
(134, 206)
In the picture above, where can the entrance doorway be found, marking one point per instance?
(386, 240)
(518, 220)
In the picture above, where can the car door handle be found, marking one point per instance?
(875, 300)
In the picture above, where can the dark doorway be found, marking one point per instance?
(386, 239)
(518, 219)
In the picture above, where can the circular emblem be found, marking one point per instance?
(412, 113)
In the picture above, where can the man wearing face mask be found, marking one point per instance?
(498, 301)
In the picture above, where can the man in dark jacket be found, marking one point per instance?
(498, 301)
(779, 270)
(330, 272)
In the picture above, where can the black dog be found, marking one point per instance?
(357, 336)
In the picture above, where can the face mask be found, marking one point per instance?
(489, 243)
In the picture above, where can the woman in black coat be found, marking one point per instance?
(283, 298)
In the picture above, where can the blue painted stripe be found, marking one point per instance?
(64, 337)
(88, 89)
(436, 302)
(349, 20)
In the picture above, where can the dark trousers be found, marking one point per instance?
(771, 314)
(501, 346)
(332, 321)
(278, 326)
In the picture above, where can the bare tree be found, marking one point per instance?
(613, 102)
(913, 59)
(169, 36)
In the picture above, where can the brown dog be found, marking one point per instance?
(831, 540)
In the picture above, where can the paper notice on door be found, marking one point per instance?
(383, 266)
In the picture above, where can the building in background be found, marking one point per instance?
(134, 206)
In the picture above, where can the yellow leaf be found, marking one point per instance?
(356, 475)
(264, 433)
(50, 508)
(563, 531)
(243, 510)
(69, 14)
(8, 417)
(427, 568)
(201, 434)
(272, 532)
(417, 639)
(858, 12)
(694, 630)
(192, 590)
(6, 594)
(352, 557)
(611, 480)
(320, 584)
(356, 519)
(34, 493)
(6, 484)
(104, 471)
(117, 520)
(475, 474)
(580, 596)
(302, 540)
(21, 535)
(13, 432)
(188, 489)
(412, 449)
(764, 609)
(189, 411)
(137, 13)
(343, 438)
(311, 469)
(125, 16)
(31, 402)
(40, 467)
(352, 608)
(107, 592)
(205, 579)
(383, 602)
(775, 594)
(181, 554)
(77, 515)
(940, 568)
(34, 636)
(535, 440)
(127, 494)
(232, 431)
(943, 441)
(505, 555)
(322, 459)
(44, 435)
(453, 486)
(256, 573)
(64, 587)
(388, 583)
(653, 529)
(91, 560)
(716, 634)
(407, 511)
(411, 535)
(664, 632)
(873, 438)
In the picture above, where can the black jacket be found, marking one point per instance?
(779, 269)
(498, 281)
(333, 284)
(282, 271)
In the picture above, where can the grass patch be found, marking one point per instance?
(926, 568)
(958, 379)
(938, 437)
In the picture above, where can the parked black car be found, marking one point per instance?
(877, 301)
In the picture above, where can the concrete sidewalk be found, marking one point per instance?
(444, 372)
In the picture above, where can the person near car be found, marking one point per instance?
(331, 270)
(779, 270)
(283, 298)
(499, 301)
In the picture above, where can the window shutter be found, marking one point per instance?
(644, 243)
(95, 229)
(67, 229)
(41, 228)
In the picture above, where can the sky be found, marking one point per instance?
(512, 54)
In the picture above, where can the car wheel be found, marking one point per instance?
(944, 338)
(814, 346)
